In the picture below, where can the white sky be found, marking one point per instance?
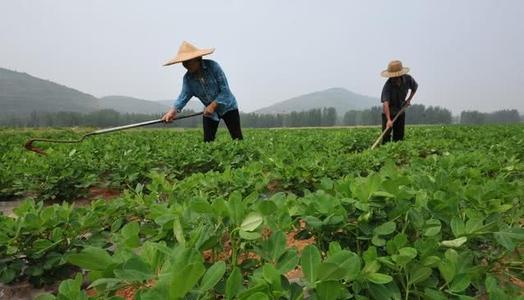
(464, 54)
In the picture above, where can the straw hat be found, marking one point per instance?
(188, 51)
(395, 69)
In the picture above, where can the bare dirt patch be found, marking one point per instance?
(96, 193)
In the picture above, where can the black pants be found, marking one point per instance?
(398, 128)
(232, 119)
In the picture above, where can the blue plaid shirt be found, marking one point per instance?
(212, 86)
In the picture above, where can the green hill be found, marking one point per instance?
(339, 98)
(21, 93)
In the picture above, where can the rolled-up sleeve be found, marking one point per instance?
(184, 96)
(413, 84)
(224, 94)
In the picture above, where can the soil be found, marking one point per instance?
(274, 186)
(128, 293)
(96, 193)
(19, 291)
(6, 207)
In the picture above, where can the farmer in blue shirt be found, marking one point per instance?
(393, 98)
(205, 80)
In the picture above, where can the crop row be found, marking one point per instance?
(438, 216)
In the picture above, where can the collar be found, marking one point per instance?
(204, 64)
(402, 80)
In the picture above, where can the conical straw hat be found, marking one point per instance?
(395, 69)
(188, 51)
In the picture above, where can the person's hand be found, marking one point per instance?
(210, 109)
(389, 124)
(169, 116)
(408, 102)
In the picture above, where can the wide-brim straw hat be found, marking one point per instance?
(188, 51)
(395, 69)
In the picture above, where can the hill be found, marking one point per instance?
(21, 93)
(339, 98)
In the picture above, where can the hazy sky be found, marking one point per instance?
(464, 54)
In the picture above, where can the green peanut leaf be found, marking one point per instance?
(233, 283)
(91, 258)
(246, 235)
(379, 278)
(213, 276)
(251, 222)
(432, 227)
(456, 243)
(420, 274)
(185, 279)
(330, 271)
(310, 261)
(288, 261)
(134, 270)
(385, 229)
(447, 270)
(460, 283)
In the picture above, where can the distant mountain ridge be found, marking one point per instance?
(21, 94)
(339, 98)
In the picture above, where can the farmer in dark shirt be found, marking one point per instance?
(394, 97)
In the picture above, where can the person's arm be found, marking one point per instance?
(180, 102)
(412, 90)
(389, 123)
(411, 94)
(224, 93)
(385, 104)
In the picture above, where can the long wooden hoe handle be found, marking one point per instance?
(384, 132)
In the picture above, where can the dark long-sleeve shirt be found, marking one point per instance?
(396, 94)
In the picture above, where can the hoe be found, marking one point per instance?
(29, 144)
(384, 132)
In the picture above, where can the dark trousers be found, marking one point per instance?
(398, 128)
(232, 120)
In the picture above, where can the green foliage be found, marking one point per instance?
(436, 216)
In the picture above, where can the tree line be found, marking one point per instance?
(505, 116)
(325, 117)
